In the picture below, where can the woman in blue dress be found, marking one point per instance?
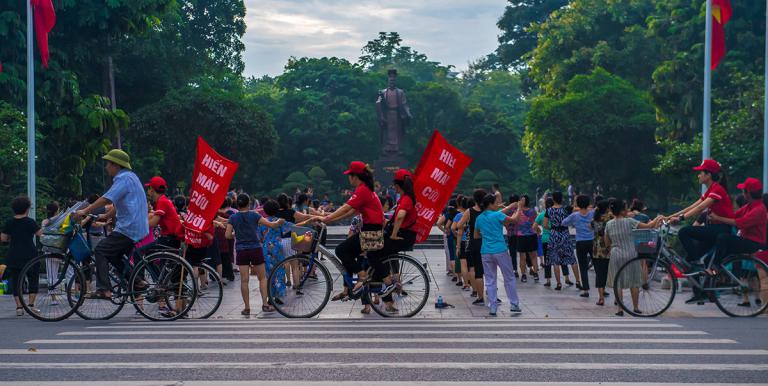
(274, 252)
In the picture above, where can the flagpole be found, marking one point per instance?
(705, 148)
(765, 109)
(31, 180)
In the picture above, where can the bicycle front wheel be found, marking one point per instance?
(163, 287)
(411, 287)
(645, 286)
(299, 287)
(741, 286)
(209, 295)
(43, 291)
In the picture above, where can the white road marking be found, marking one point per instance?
(383, 350)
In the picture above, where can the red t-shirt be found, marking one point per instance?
(722, 206)
(406, 204)
(751, 221)
(366, 202)
(170, 223)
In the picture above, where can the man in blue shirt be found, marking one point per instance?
(129, 207)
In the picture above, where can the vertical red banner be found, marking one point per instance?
(439, 171)
(210, 182)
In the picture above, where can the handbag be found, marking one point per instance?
(371, 240)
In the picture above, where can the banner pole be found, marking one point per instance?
(31, 173)
(705, 148)
(765, 108)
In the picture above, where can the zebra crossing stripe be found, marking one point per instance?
(381, 340)
(385, 350)
(537, 332)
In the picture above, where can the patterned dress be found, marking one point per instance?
(560, 246)
(619, 231)
(274, 253)
(601, 251)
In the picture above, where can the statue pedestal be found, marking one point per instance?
(385, 167)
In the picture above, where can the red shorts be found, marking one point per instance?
(249, 257)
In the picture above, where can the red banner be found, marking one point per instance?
(436, 176)
(210, 182)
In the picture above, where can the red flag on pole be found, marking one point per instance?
(721, 13)
(436, 176)
(210, 182)
(45, 19)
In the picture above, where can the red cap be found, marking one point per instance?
(709, 165)
(156, 183)
(401, 174)
(751, 185)
(356, 167)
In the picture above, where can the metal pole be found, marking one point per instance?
(765, 108)
(705, 148)
(31, 180)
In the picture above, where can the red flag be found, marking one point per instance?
(721, 13)
(210, 182)
(45, 19)
(436, 176)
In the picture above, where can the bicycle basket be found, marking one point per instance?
(55, 240)
(79, 248)
(646, 241)
(302, 239)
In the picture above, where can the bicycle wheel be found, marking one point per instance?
(164, 288)
(741, 286)
(44, 280)
(412, 288)
(209, 294)
(651, 284)
(99, 309)
(294, 292)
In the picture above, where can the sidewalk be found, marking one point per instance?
(537, 301)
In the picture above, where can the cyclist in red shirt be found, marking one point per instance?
(364, 201)
(698, 240)
(164, 214)
(750, 220)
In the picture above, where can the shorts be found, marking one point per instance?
(475, 259)
(13, 275)
(526, 244)
(463, 251)
(250, 257)
(195, 256)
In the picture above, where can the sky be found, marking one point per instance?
(448, 31)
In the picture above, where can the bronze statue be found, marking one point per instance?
(394, 116)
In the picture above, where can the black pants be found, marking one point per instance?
(349, 250)
(13, 275)
(111, 250)
(226, 266)
(697, 241)
(512, 245)
(584, 254)
(475, 246)
(728, 244)
(391, 247)
(601, 272)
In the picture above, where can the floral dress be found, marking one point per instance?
(601, 251)
(560, 247)
(274, 253)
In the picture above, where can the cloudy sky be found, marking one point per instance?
(449, 31)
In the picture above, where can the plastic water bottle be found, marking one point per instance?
(439, 303)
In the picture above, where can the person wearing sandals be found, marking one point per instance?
(618, 237)
(527, 242)
(601, 251)
(559, 247)
(365, 202)
(461, 237)
(243, 227)
(20, 232)
(129, 207)
(490, 227)
(581, 219)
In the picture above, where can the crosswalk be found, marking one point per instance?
(415, 352)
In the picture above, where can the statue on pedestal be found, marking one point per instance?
(394, 116)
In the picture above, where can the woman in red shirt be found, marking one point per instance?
(750, 220)
(698, 240)
(365, 202)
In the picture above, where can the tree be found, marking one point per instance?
(485, 179)
(586, 135)
(518, 38)
(233, 125)
(386, 52)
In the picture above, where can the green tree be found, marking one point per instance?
(386, 52)
(518, 38)
(585, 136)
(485, 178)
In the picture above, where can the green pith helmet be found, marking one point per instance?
(118, 157)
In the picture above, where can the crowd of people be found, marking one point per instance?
(484, 236)
(562, 235)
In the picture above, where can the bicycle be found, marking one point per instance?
(300, 286)
(210, 292)
(738, 284)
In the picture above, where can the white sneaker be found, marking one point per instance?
(19, 311)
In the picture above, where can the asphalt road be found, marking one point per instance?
(419, 351)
